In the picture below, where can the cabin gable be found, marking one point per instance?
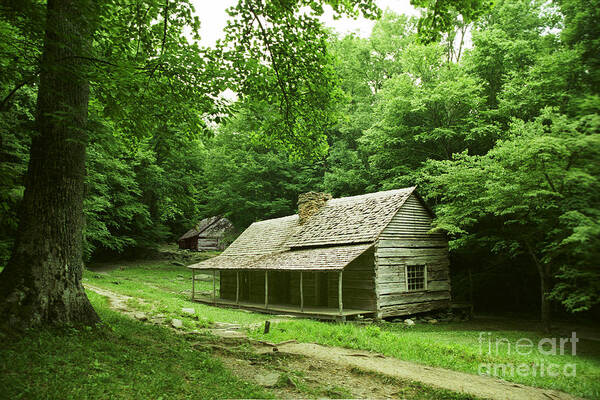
(405, 245)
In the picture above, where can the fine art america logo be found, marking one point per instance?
(545, 348)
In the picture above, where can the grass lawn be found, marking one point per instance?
(455, 346)
(166, 289)
(129, 360)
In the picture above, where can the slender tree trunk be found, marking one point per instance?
(463, 31)
(545, 289)
(545, 286)
(41, 284)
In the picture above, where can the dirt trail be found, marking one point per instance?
(297, 376)
(337, 359)
(117, 301)
(480, 386)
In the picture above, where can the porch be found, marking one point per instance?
(329, 313)
(276, 292)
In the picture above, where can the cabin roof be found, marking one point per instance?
(332, 238)
(264, 237)
(347, 220)
(319, 258)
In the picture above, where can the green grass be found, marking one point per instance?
(453, 346)
(168, 289)
(129, 360)
(165, 289)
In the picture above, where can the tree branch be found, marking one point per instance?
(148, 68)
(549, 182)
(275, 68)
(4, 104)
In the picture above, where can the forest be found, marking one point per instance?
(492, 112)
(120, 129)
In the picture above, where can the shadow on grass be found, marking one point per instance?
(122, 359)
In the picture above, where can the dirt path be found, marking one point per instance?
(362, 372)
(480, 386)
(294, 376)
(117, 301)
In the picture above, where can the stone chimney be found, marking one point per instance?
(310, 203)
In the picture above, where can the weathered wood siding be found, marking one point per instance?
(358, 284)
(406, 241)
(189, 243)
(205, 243)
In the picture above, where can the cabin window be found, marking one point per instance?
(416, 277)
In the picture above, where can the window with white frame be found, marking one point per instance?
(416, 277)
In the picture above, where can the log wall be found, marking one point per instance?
(406, 241)
(205, 243)
(358, 284)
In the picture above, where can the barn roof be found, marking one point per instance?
(216, 228)
(191, 233)
(206, 223)
(332, 238)
(211, 226)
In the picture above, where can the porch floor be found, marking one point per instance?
(308, 312)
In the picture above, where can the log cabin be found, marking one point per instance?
(210, 234)
(372, 255)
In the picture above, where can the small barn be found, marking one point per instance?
(209, 234)
(372, 254)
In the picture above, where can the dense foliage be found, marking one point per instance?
(502, 138)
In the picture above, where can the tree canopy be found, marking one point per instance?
(501, 136)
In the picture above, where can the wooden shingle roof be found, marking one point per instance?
(347, 220)
(332, 238)
(206, 223)
(320, 258)
(216, 228)
(264, 237)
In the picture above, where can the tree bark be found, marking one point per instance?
(41, 284)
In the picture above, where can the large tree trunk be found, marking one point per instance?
(42, 281)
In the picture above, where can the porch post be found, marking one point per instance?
(301, 294)
(214, 287)
(266, 289)
(237, 287)
(340, 304)
(193, 283)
